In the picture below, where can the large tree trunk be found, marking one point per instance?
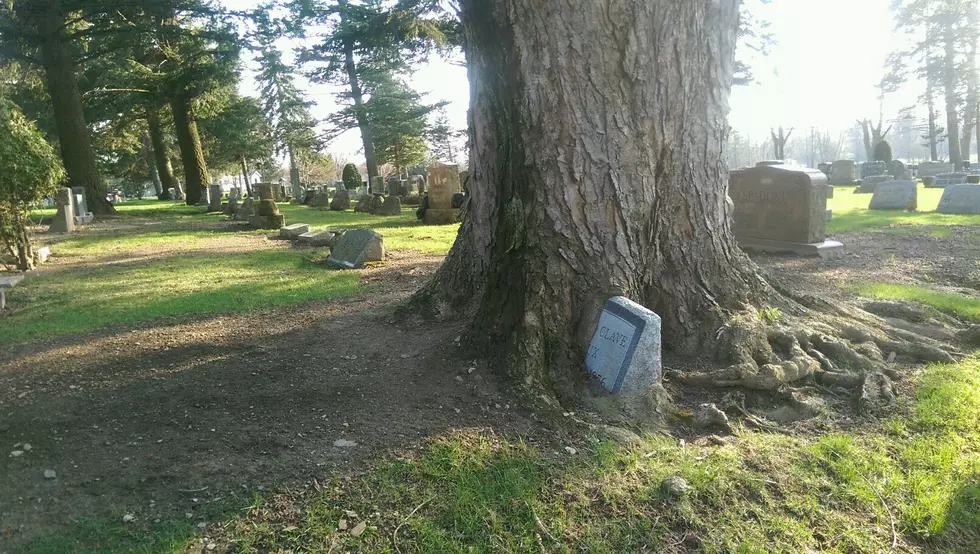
(596, 170)
(196, 174)
(59, 70)
(161, 156)
(248, 185)
(949, 84)
(972, 92)
(357, 95)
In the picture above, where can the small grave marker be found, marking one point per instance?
(357, 248)
(292, 232)
(624, 354)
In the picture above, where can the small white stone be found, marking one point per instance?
(189, 515)
(16, 453)
(27, 447)
(358, 529)
(202, 525)
(344, 443)
(50, 474)
(571, 450)
(128, 518)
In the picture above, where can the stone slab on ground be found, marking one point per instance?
(960, 199)
(292, 232)
(356, 248)
(896, 195)
(441, 217)
(270, 222)
(944, 180)
(625, 353)
(8, 282)
(827, 250)
(320, 238)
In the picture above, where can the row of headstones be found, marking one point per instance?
(72, 210)
(847, 172)
(958, 198)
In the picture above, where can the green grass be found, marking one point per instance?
(468, 492)
(79, 299)
(966, 307)
(851, 214)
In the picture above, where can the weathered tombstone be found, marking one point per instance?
(341, 201)
(870, 169)
(232, 206)
(205, 199)
(357, 248)
(80, 205)
(782, 209)
(624, 355)
(443, 184)
(292, 232)
(943, 180)
(246, 210)
(173, 194)
(376, 185)
(844, 172)
(267, 214)
(64, 219)
(394, 186)
(932, 169)
(825, 168)
(896, 169)
(214, 204)
(960, 199)
(392, 206)
(363, 205)
(929, 181)
(895, 195)
(869, 184)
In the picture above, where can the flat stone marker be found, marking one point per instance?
(869, 184)
(896, 195)
(624, 355)
(8, 282)
(960, 199)
(319, 238)
(943, 180)
(292, 232)
(357, 248)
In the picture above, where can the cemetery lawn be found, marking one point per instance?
(226, 389)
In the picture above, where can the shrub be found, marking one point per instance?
(29, 171)
(883, 151)
(351, 177)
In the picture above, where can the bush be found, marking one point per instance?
(883, 151)
(351, 177)
(29, 171)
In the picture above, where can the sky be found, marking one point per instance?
(821, 71)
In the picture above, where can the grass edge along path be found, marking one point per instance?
(467, 491)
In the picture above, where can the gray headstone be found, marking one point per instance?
(341, 201)
(895, 195)
(214, 198)
(81, 204)
(870, 169)
(931, 169)
(960, 199)
(624, 354)
(392, 206)
(943, 180)
(376, 185)
(64, 220)
(292, 232)
(320, 238)
(896, 169)
(844, 172)
(356, 248)
(869, 184)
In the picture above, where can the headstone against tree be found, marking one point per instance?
(82, 215)
(897, 169)
(443, 183)
(782, 209)
(960, 199)
(64, 219)
(625, 354)
(870, 184)
(844, 172)
(943, 180)
(376, 185)
(356, 248)
(267, 214)
(895, 195)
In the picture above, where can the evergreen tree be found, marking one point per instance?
(237, 136)
(286, 107)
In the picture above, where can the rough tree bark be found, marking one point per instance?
(248, 185)
(357, 96)
(161, 155)
(196, 175)
(596, 170)
(75, 143)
